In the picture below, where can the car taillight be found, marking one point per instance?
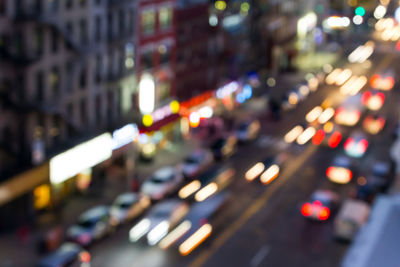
(335, 139)
(306, 209)
(324, 213)
(362, 145)
(349, 142)
(318, 137)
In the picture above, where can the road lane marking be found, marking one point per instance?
(253, 209)
(261, 254)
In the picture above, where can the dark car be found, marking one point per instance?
(224, 147)
(66, 254)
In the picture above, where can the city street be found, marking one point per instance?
(262, 224)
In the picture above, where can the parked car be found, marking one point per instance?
(320, 205)
(159, 220)
(224, 147)
(128, 206)
(65, 255)
(92, 225)
(352, 215)
(163, 182)
(248, 130)
(196, 163)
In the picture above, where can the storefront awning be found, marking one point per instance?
(157, 125)
(23, 183)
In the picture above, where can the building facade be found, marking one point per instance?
(67, 73)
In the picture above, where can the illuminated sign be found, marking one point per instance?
(80, 158)
(125, 135)
(161, 113)
(306, 24)
(227, 89)
(146, 94)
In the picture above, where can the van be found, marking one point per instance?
(351, 217)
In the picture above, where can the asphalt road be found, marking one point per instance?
(262, 226)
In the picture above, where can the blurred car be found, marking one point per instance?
(373, 124)
(352, 215)
(320, 206)
(330, 135)
(159, 220)
(373, 100)
(148, 151)
(208, 183)
(163, 182)
(349, 113)
(248, 130)
(65, 255)
(196, 162)
(268, 169)
(383, 81)
(224, 147)
(92, 225)
(340, 170)
(196, 226)
(356, 145)
(128, 206)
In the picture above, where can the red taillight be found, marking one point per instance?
(328, 171)
(318, 137)
(335, 139)
(365, 97)
(324, 213)
(375, 80)
(381, 96)
(306, 209)
(349, 142)
(363, 145)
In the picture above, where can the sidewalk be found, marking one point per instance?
(15, 253)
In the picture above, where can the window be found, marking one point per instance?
(39, 86)
(69, 4)
(53, 5)
(82, 78)
(148, 19)
(54, 40)
(83, 31)
(131, 20)
(121, 22)
(97, 33)
(147, 60)
(165, 18)
(129, 56)
(54, 80)
(38, 41)
(3, 8)
(70, 31)
(99, 65)
(165, 52)
(98, 109)
(69, 76)
(83, 111)
(83, 2)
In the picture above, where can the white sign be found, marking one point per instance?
(80, 158)
(125, 135)
(146, 94)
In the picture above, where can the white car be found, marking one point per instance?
(128, 206)
(196, 162)
(159, 220)
(163, 182)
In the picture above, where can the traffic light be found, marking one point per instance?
(360, 11)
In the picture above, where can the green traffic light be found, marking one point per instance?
(360, 11)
